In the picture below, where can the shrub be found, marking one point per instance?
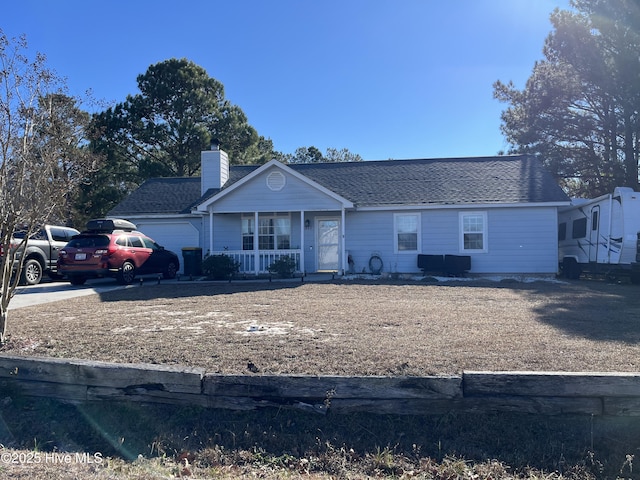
(283, 267)
(219, 266)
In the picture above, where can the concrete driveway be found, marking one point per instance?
(53, 291)
(50, 291)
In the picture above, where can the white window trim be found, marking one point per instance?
(256, 228)
(485, 232)
(395, 233)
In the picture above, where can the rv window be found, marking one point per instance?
(579, 229)
(562, 231)
(594, 220)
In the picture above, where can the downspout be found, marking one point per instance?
(302, 270)
(343, 240)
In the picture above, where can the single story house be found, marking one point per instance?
(499, 212)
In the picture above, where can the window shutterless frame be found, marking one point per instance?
(473, 232)
(406, 232)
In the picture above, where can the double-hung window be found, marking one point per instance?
(407, 232)
(473, 232)
(274, 232)
(247, 233)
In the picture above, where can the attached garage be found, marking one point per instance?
(173, 236)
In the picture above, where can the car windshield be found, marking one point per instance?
(89, 241)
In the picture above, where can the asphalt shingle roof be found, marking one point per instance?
(160, 195)
(450, 181)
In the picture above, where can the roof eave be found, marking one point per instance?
(452, 205)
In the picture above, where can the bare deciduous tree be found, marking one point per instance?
(38, 169)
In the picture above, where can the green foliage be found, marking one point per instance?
(180, 109)
(257, 154)
(283, 267)
(579, 108)
(313, 155)
(219, 267)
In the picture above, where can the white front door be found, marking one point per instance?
(328, 244)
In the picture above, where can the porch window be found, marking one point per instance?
(247, 233)
(407, 228)
(473, 228)
(274, 233)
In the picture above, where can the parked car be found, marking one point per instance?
(40, 252)
(114, 248)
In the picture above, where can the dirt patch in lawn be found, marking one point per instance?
(344, 327)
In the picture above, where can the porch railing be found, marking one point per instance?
(252, 262)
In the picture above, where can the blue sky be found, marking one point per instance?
(385, 79)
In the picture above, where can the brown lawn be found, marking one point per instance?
(344, 327)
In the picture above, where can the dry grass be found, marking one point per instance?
(345, 328)
(284, 468)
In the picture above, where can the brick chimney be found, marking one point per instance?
(214, 167)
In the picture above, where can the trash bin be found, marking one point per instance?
(192, 257)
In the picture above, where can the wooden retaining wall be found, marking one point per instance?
(549, 393)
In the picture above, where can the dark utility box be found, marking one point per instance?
(431, 263)
(449, 265)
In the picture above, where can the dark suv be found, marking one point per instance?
(111, 247)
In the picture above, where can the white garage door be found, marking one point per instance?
(172, 236)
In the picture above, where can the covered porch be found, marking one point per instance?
(313, 239)
(273, 212)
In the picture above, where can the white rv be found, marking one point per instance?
(601, 235)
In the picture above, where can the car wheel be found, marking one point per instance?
(31, 272)
(171, 271)
(77, 280)
(571, 269)
(127, 273)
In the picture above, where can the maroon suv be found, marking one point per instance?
(114, 248)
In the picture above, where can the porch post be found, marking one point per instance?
(256, 250)
(343, 241)
(210, 231)
(302, 241)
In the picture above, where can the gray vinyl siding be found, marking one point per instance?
(519, 240)
(227, 232)
(368, 233)
(256, 195)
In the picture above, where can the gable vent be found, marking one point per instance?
(276, 181)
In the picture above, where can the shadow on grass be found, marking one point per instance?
(151, 290)
(595, 310)
(591, 309)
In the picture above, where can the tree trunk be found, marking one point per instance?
(3, 325)
(630, 159)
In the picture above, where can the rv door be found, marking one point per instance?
(594, 236)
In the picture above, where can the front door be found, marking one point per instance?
(328, 244)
